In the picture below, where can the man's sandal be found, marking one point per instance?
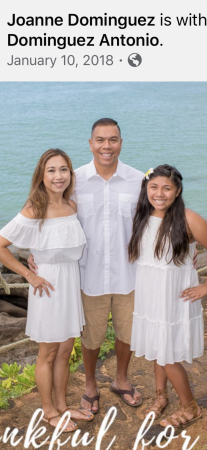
(91, 400)
(48, 419)
(181, 417)
(122, 392)
(73, 414)
(157, 407)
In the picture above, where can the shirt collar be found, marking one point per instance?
(120, 170)
(91, 170)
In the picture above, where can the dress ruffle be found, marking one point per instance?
(56, 248)
(61, 232)
(162, 341)
(165, 328)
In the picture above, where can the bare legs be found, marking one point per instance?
(161, 399)
(52, 371)
(44, 375)
(90, 357)
(61, 374)
(124, 354)
(177, 376)
(160, 377)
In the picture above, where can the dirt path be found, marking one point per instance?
(127, 421)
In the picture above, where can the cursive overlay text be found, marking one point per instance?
(57, 440)
(50, 62)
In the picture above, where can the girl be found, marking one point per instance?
(167, 322)
(48, 225)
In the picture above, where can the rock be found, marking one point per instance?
(18, 301)
(11, 309)
(21, 254)
(12, 278)
(11, 328)
(202, 259)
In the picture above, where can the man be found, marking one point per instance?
(106, 194)
(107, 191)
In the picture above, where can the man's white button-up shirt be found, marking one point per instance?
(105, 209)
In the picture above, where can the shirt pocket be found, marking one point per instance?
(85, 205)
(127, 204)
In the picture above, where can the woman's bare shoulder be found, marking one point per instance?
(73, 205)
(27, 211)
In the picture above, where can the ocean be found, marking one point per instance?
(160, 123)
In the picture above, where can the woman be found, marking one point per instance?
(49, 227)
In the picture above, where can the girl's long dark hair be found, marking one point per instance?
(173, 229)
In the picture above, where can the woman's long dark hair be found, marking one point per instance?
(38, 197)
(173, 229)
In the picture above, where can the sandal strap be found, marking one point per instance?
(161, 393)
(171, 420)
(126, 391)
(63, 411)
(91, 400)
(50, 418)
(157, 409)
(190, 408)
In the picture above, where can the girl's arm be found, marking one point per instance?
(8, 260)
(198, 229)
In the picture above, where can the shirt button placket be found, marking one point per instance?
(106, 237)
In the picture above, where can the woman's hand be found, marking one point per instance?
(194, 293)
(32, 266)
(39, 283)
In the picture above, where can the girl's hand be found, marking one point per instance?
(39, 283)
(194, 293)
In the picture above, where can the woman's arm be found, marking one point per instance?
(8, 260)
(198, 229)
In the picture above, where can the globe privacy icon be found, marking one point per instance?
(134, 59)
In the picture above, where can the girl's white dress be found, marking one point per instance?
(56, 250)
(165, 328)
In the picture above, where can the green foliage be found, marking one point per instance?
(76, 356)
(109, 340)
(15, 382)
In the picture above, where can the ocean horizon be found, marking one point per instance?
(160, 123)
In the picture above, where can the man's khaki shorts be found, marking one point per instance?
(97, 311)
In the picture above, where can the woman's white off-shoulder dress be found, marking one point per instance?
(56, 248)
(165, 328)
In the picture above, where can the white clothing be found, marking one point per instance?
(165, 328)
(56, 249)
(105, 209)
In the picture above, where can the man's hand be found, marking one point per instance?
(39, 283)
(32, 266)
(194, 293)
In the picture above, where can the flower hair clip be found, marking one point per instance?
(148, 173)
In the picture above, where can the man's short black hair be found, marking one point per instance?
(104, 122)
